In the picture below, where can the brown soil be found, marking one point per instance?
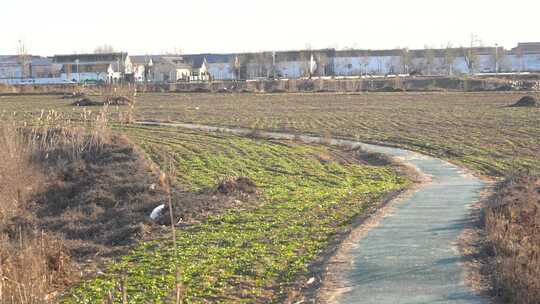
(89, 207)
(87, 102)
(526, 101)
(118, 100)
(233, 185)
(100, 204)
(112, 101)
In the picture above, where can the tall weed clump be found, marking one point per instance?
(513, 232)
(34, 265)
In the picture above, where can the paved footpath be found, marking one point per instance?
(412, 255)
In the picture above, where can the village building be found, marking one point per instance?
(373, 62)
(212, 66)
(165, 68)
(16, 69)
(100, 67)
(202, 70)
(525, 57)
(116, 67)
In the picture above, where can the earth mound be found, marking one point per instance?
(236, 184)
(526, 101)
(118, 101)
(86, 102)
(112, 101)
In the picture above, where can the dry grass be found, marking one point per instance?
(513, 231)
(37, 262)
(33, 265)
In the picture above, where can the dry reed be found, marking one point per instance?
(34, 265)
(513, 231)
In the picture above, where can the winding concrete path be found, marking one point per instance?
(411, 256)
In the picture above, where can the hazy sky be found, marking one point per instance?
(144, 27)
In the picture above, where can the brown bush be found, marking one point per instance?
(513, 231)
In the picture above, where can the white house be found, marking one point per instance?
(32, 69)
(103, 67)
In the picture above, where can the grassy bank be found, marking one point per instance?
(256, 254)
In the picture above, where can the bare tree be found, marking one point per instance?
(519, 56)
(239, 65)
(497, 56)
(323, 63)
(392, 65)
(449, 59)
(470, 54)
(405, 59)
(105, 48)
(365, 61)
(267, 63)
(260, 63)
(429, 58)
(304, 62)
(347, 63)
(22, 53)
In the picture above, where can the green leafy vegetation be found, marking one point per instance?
(477, 130)
(254, 254)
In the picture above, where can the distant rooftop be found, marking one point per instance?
(98, 57)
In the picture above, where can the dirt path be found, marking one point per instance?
(410, 255)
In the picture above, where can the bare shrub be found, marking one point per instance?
(35, 265)
(33, 269)
(32, 265)
(513, 231)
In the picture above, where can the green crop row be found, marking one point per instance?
(252, 255)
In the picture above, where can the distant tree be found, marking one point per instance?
(304, 62)
(105, 48)
(406, 60)
(235, 64)
(380, 64)
(449, 59)
(520, 55)
(23, 58)
(259, 62)
(323, 63)
(497, 56)
(347, 64)
(365, 62)
(470, 54)
(267, 63)
(429, 58)
(391, 65)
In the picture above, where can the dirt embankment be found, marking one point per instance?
(76, 201)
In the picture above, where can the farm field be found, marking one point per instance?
(254, 254)
(476, 130)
